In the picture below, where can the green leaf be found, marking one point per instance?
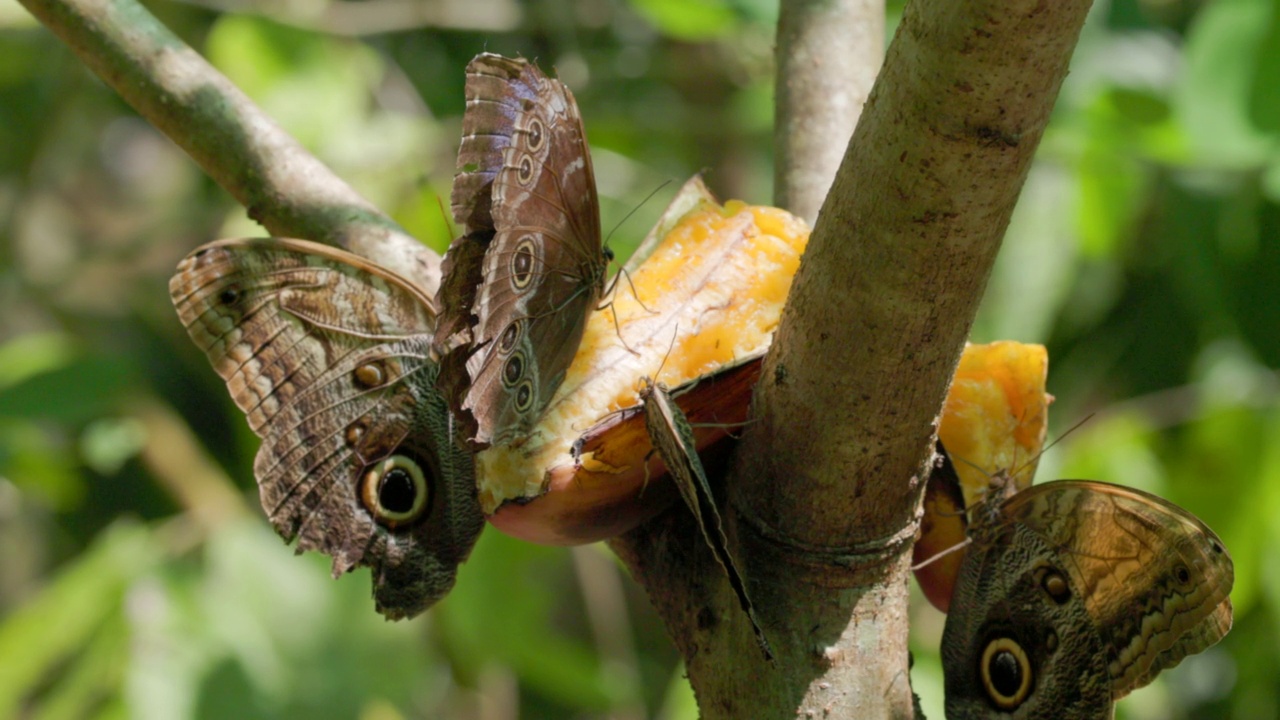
(32, 354)
(107, 443)
(93, 678)
(317, 87)
(60, 623)
(40, 462)
(1224, 55)
(679, 702)
(1264, 98)
(73, 392)
(485, 619)
(691, 20)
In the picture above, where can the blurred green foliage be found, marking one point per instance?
(137, 577)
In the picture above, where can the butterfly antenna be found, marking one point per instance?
(939, 555)
(612, 292)
(617, 329)
(1013, 473)
(671, 345)
(444, 218)
(977, 503)
(982, 470)
(1055, 441)
(726, 426)
(621, 269)
(633, 210)
(689, 386)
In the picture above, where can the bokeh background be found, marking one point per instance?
(138, 577)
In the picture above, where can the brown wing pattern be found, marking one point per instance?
(530, 265)
(328, 357)
(1155, 579)
(672, 437)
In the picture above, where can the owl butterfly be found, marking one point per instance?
(1074, 593)
(529, 266)
(672, 438)
(327, 356)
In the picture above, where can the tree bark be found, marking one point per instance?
(281, 185)
(825, 491)
(827, 55)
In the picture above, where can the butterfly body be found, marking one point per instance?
(1073, 594)
(328, 356)
(530, 265)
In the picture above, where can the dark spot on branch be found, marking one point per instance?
(706, 619)
(991, 137)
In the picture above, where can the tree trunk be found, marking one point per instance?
(825, 491)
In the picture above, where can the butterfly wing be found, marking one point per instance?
(672, 437)
(327, 356)
(1155, 579)
(1012, 649)
(525, 193)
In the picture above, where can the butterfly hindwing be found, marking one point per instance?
(530, 265)
(329, 358)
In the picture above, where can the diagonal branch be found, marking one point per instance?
(354, 18)
(281, 185)
(895, 270)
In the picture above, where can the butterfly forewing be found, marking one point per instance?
(1084, 589)
(496, 93)
(1154, 577)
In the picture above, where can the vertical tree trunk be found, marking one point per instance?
(827, 55)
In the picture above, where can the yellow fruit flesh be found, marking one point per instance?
(994, 419)
(709, 295)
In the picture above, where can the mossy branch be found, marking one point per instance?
(281, 185)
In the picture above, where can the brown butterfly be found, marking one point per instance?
(530, 264)
(328, 356)
(672, 438)
(1073, 594)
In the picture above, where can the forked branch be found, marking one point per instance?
(826, 487)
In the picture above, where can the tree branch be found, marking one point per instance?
(826, 487)
(280, 184)
(827, 55)
(353, 18)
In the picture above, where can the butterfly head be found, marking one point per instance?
(419, 508)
